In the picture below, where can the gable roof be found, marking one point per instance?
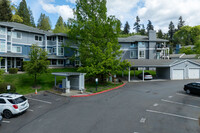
(139, 38)
(22, 27)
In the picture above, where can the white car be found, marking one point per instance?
(11, 104)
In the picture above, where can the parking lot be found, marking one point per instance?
(138, 107)
(173, 113)
(40, 105)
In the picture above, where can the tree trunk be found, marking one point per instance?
(35, 80)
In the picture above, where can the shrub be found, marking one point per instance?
(3, 88)
(13, 70)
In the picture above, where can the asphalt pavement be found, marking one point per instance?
(149, 107)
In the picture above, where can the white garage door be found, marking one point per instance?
(193, 73)
(177, 74)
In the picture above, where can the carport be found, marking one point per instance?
(72, 80)
(169, 69)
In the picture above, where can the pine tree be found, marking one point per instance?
(60, 27)
(159, 34)
(44, 22)
(23, 12)
(5, 10)
(181, 23)
(137, 25)
(96, 36)
(149, 26)
(142, 30)
(31, 18)
(126, 28)
(171, 31)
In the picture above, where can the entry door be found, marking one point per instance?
(193, 73)
(178, 74)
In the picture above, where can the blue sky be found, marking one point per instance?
(160, 12)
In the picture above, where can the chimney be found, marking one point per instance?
(152, 35)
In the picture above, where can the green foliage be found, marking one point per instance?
(137, 25)
(23, 12)
(181, 23)
(31, 18)
(44, 22)
(97, 37)
(186, 50)
(159, 34)
(3, 88)
(126, 28)
(38, 63)
(60, 27)
(13, 70)
(16, 18)
(5, 10)
(1, 75)
(149, 26)
(171, 31)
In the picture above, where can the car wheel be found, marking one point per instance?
(188, 91)
(7, 114)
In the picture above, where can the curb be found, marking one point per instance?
(98, 92)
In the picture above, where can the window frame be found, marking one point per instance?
(140, 54)
(13, 47)
(62, 51)
(16, 36)
(134, 56)
(2, 47)
(38, 38)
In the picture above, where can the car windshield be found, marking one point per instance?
(17, 100)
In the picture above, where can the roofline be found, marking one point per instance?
(184, 61)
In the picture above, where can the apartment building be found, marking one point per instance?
(16, 40)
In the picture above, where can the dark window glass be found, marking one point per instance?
(36, 38)
(48, 38)
(20, 100)
(54, 62)
(2, 101)
(40, 38)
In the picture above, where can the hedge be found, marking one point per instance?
(13, 70)
(3, 88)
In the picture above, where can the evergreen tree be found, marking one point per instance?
(149, 26)
(126, 28)
(23, 12)
(96, 36)
(15, 17)
(171, 31)
(60, 26)
(31, 18)
(181, 23)
(5, 10)
(142, 30)
(44, 22)
(137, 25)
(159, 34)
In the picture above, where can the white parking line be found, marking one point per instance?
(180, 103)
(170, 96)
(142, 120)
(40, 100)
(170, 114)
(6, 121)
(30, 110)
(155, 105)
(187, 95)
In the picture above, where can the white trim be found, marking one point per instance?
(139, 54)
(62, 53)
(17, 52)
(38, 38)
(16, 32)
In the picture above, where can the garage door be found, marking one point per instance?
(177, 74)
(193, 73)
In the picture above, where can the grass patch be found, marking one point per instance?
(91, 87)
(24, 82)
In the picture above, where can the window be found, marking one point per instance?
(60, 51)
(54, 50)
(133, 45)
(54, 62)
(2, 30)
(77, 62)
(60, 62)
(9, 47)
(2, 46)
(38, 38)
(49, 38)
(53, 38)
(133, 54)
(17, 35)
(60, 39)
(49, 50)
(142, 54)
(2, 101)
(16, 49)
(67, 62)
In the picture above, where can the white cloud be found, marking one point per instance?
(63, 10)
(15, 1)
(71, 1)
(161, 12)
